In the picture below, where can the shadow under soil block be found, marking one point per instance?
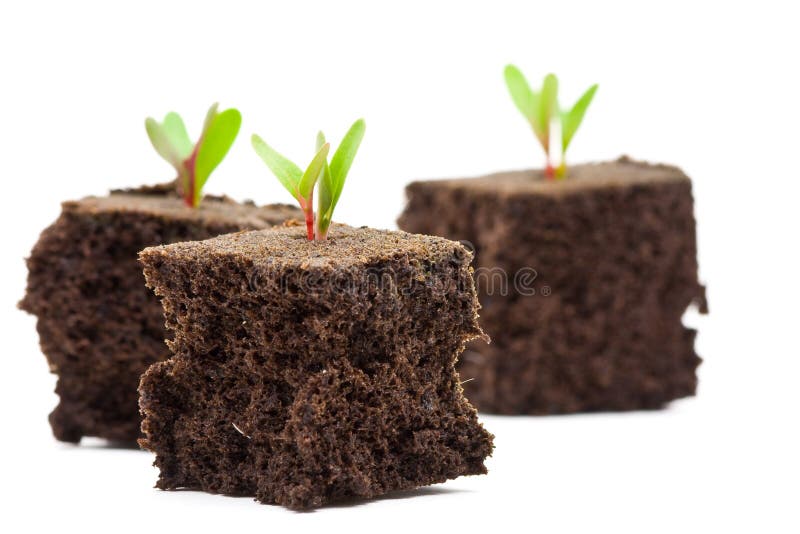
(99, 326)
(308, 372)
(598, 268)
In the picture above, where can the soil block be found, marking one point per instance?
(309, 372)
(99, 326)
(599, 269)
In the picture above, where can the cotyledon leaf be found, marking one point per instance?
(286, 171)
(214, 145)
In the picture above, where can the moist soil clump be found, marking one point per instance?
(99, 326)
(599, 270)
(306, 372)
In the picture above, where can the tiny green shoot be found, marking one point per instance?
(330, 176)
(194, 162)
(542, 110)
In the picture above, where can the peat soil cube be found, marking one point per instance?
(305, 372)
(583, 283)
(99, 326)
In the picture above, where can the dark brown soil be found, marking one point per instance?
(614, 245)
(307, 372)
(99, 326)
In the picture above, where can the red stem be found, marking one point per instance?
(310, 224)
(308, 208)
(549, 171)
(188, 193)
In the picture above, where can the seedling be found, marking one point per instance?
(194, 162)
(331, 176)
(541, 109)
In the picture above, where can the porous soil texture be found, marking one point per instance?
(99, 326)
(306, 372)
(583, 282)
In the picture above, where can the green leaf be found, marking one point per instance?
(287, 172)
(528, 102)
(306, 186)
(175, 131)
(218, 135)
(210, 114)
(521, 93)
(325, 182)
(548, 107)
(325, 208)
(332, 183)
(343, 159)
(571, 120)
(163, 144)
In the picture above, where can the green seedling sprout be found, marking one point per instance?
(541, 109)
(194, 162)
(331, 177)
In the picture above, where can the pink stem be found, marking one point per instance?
(308, 208)
(549, 171)
(188, 193)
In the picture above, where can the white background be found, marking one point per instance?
(710, 87)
